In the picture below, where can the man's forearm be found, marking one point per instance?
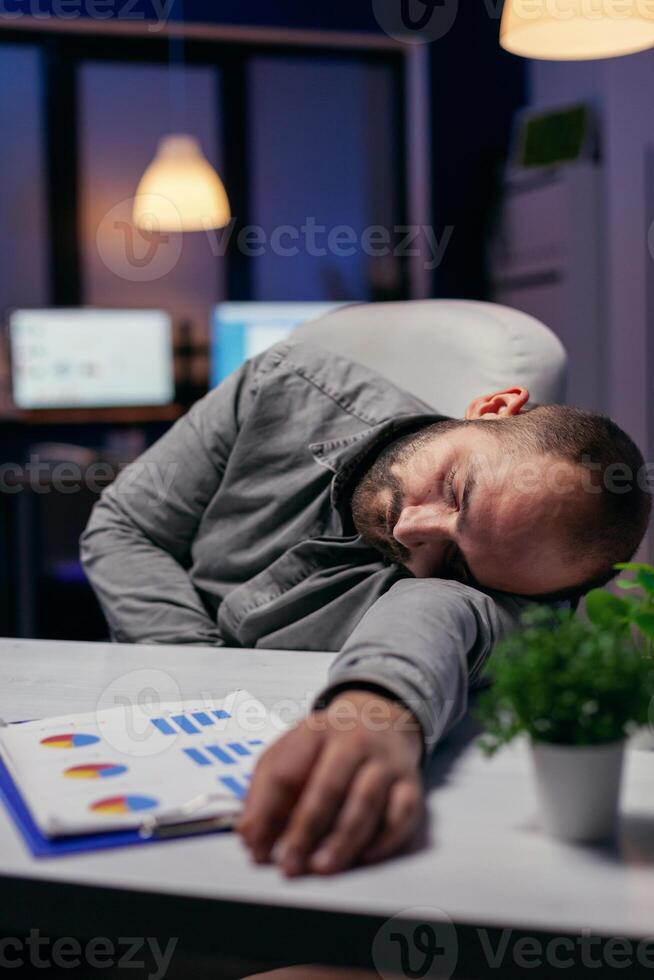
(422, 642)
(146, 595)
(138, 544)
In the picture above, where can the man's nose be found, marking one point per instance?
(421, 525)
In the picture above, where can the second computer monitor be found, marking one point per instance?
(241, 330)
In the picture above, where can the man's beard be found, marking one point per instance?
(375, 518)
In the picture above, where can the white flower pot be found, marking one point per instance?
(578, 789)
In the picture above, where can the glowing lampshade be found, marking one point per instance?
(180, 190)
(575, 30)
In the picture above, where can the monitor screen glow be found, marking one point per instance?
(242, 330)
(91, 358)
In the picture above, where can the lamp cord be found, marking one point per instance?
(177, 70)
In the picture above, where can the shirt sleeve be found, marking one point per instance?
(136, 548)
(424, 642)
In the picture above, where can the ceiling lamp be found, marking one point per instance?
(180, 190)
(575, 30)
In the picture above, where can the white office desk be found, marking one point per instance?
(485, 862)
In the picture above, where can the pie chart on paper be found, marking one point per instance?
(95, 770)
(124, 804)
(76, 740)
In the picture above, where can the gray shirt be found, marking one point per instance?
(234, 530)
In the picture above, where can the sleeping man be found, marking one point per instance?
(307, 503)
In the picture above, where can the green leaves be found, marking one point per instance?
(606, 609)
(565, 680)
(635, 609)
(645, 622)
(644, 576)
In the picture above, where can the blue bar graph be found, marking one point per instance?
(198, 757)
(233, 784)
(163, 726)
(185, 724)
(220, 754)
(203, 718)
(228, 754)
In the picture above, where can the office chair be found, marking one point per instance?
(444, 351)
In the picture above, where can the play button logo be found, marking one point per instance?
(415, 21)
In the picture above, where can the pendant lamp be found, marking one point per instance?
(576, 30)
(180, 190)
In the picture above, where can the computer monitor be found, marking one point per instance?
(241, 330)
(91, 358)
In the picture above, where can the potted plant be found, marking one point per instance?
(577, 687)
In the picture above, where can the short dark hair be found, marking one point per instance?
(616, 524)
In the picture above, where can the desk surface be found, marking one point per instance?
(485, 863)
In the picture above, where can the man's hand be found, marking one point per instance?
(342, 786)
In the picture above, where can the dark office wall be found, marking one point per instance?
(476, 88)
(322, 151)
(23, 265)
(124, 110)
(339, 15)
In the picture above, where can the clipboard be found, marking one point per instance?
(40, 846)
(203, 744)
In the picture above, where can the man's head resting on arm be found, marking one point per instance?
(538, 501)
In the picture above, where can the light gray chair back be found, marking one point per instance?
(446, 352)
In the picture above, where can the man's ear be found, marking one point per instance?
(499, 405)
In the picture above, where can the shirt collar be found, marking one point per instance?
(343, 455)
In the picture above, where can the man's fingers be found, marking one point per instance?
(403, 814)
(321, 800)
(357, 822)
(318, 805)
(276, 785)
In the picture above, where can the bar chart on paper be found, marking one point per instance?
(237, 787)
(229, 761)
(230, 753)
(237, 756)
(189, 724)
